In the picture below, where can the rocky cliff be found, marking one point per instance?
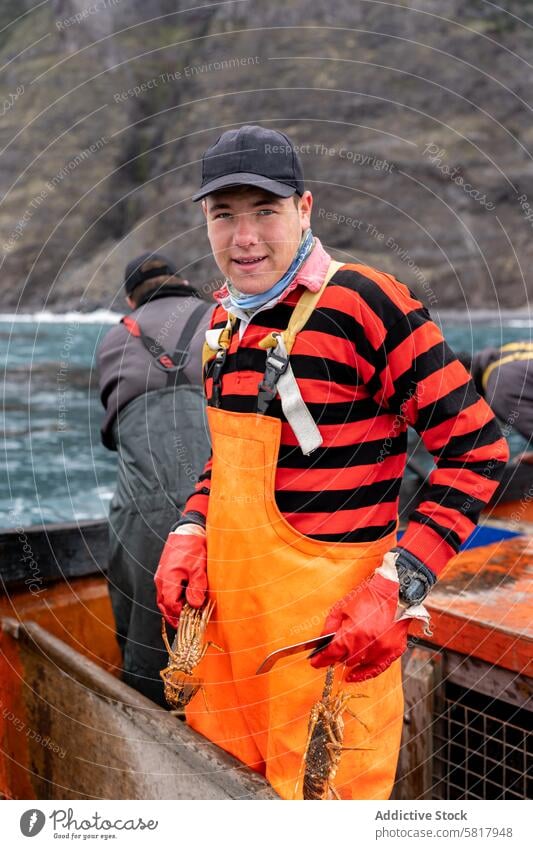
(413, 121)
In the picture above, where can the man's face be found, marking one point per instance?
(254, 235)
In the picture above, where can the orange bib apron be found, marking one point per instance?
(273, 586)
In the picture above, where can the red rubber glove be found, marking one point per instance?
(181, 575)
(367, 639)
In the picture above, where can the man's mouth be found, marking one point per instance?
(248, 262)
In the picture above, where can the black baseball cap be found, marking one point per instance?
(252, 156)
(133, 276)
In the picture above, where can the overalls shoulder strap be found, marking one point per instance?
(279, 376)
(172, 364)
(216, 347)
(301, 313)
(217, 339)
(182, 352)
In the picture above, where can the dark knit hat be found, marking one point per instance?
(133, 276)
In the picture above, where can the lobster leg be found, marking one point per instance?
(188, 626)
(165, 637)
(338, 748)
(365, 726)
(205, 699)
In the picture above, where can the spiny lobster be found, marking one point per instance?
(325, 737)
(186, 652)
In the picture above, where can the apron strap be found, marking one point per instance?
(182, 354)
(216, 347)
(172, 364)
(279, 376)
(301, 312)
(293, 405)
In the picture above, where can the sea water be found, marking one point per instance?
(54, 467)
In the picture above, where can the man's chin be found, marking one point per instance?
(252, 285)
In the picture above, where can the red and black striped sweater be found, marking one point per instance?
(369, 362)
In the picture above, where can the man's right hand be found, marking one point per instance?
(182, 572)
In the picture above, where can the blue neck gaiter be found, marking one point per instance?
(247, 302)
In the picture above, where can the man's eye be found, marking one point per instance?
(221, 215)
(266, 212)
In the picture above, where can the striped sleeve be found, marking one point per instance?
(425, 384)
(196, 506)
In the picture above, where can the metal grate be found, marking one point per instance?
(482, 748)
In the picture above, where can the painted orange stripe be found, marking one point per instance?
(482, 604)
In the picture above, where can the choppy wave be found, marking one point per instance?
(96, 317)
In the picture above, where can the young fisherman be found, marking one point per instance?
(292, 525)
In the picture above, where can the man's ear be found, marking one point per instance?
(304, 209)
(130, 302)
(204, 207)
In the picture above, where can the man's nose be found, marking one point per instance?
(244, 233)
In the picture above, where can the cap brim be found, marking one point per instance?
(243, 179)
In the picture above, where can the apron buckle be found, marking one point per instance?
(220, 359)
(276, 365)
